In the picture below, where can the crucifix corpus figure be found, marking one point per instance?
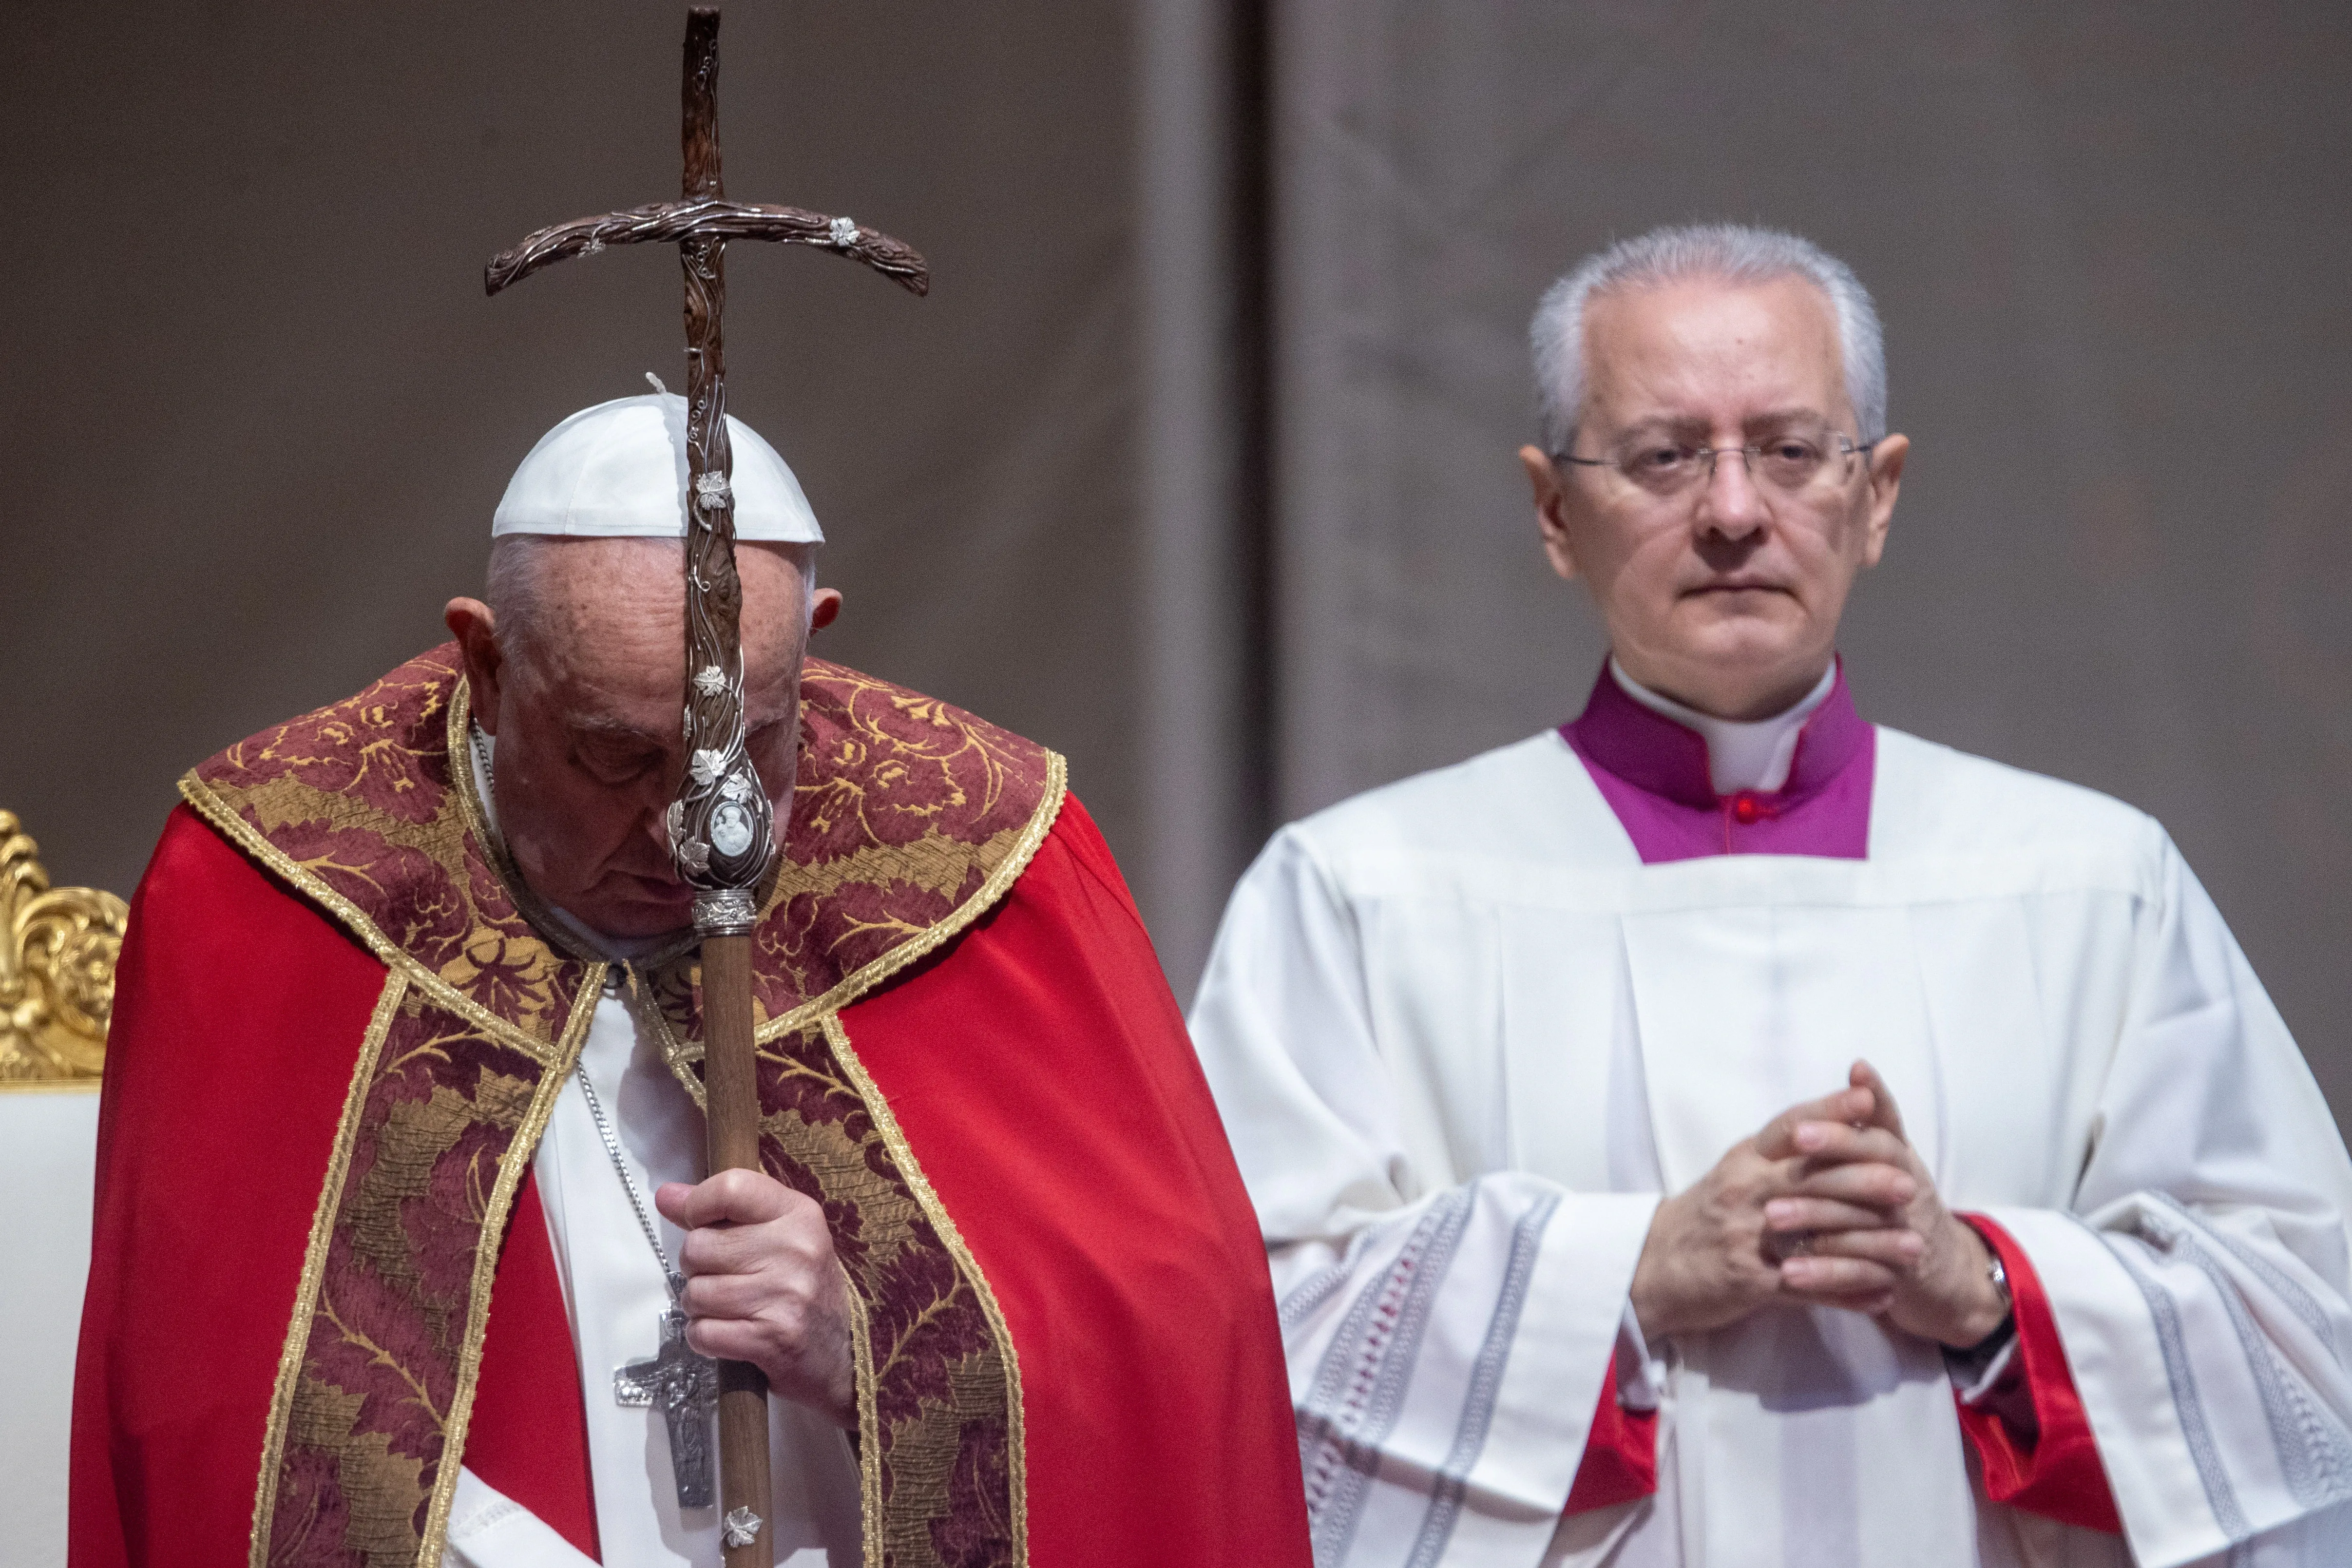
(684, 1387)
(472, 1263)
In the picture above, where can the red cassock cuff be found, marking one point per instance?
(2031, 1438)
(2030, 1435)
(1621, 1457)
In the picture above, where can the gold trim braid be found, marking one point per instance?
(869, 1422)
(518, 1155)
(916, 948)
(910, 1171)
(377, 1381)
(314, 1262)
(254, 843)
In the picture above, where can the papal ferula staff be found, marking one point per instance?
(407, 1247)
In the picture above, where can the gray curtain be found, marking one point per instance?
(2108, 242)
(1197, 463)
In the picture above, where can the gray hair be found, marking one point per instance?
(517, 589)
(1735, 252)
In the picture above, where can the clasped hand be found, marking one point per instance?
(1828, 1206)
(762, 1286)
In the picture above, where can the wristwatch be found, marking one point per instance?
(1986, 1348)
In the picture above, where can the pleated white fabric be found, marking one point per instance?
(1462, 1039)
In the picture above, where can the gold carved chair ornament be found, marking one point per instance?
(58, 948)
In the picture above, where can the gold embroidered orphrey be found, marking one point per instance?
(58, 951)
(910, 819)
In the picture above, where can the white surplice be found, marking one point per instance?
(614, 1296)
(1462, 1039)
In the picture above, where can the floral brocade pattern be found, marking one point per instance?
(903, 807)
(383, 1362)
(909, 819)
(357, 795)
(940, 1416)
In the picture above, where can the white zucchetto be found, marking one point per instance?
(620, 469)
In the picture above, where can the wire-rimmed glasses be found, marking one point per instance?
(1794, 461)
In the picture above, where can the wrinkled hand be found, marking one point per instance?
(1711, 1259)
(762, 1286)
(1942, 1288)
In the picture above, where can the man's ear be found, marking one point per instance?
(474, 628)
(824, 608)
(1887, 459)
(1550, 497)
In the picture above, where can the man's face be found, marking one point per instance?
(590, 750)
(1726, 593)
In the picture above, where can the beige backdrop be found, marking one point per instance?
(1196, 465)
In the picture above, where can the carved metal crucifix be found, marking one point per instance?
(722, 827)
(684, 1387)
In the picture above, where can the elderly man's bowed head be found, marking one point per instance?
(1721, 1130)
(576, 664)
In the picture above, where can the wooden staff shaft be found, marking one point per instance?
(734, 1118)
(730, 1088)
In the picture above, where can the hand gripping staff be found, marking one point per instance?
(721, 827)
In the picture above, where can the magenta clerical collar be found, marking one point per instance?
(1653, 774)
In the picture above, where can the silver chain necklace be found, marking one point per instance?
(683, 1386)
(676, 1280)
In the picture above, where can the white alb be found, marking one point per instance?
(1462, 1039)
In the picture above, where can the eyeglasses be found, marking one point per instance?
(1792, 462)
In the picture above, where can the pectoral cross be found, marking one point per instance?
(684, 1387)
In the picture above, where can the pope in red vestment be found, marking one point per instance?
(321, 1279)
